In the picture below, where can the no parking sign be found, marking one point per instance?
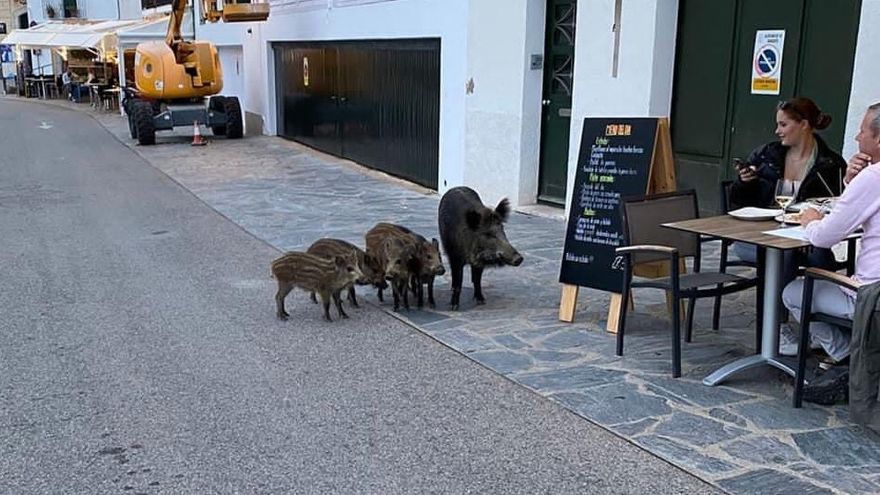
(767, 62)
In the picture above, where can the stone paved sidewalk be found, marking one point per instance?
(743, 436)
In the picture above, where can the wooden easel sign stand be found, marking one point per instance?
(618, 158)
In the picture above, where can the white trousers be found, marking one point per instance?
(829, 299)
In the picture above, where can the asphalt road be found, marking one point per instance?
(139, 353)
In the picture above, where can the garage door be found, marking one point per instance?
(374, 102)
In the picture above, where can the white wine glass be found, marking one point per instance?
(784, 195)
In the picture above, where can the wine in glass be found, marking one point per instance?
(784, 195)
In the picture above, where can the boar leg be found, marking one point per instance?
(325, 298)
(431, 292)
(284, 289)
(313, 298)
(352, 298)
(337, 300)
(416, 287)
(379, 293)
(457, 269)
(395, 291)
(404, 292)
(477, 279)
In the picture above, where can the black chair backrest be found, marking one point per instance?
(725, 204)
(643, 216)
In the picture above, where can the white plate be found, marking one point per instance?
(755, 214)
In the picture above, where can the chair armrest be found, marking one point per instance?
(647, 248)
(834, 278)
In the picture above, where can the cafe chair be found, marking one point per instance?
(811, 275)
(645, 241)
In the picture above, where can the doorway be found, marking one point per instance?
(559, 37)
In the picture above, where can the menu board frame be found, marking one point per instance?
(619, 157)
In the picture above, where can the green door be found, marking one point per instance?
(556, 115)
(715, 118)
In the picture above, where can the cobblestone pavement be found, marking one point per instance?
(744, 436)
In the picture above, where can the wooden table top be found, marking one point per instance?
(734, 229)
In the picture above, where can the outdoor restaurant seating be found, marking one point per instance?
(811, 275)
(647, 241)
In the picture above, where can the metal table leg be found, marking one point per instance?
(770, 334)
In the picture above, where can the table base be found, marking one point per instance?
(725, 371)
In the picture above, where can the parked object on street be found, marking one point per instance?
(369, 265)
(473, 234)
(425, 264)
(326, 277)
(178, 81)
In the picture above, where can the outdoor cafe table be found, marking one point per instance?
(750, 232)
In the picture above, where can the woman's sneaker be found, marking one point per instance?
(788, 341)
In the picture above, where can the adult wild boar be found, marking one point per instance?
(473, 234)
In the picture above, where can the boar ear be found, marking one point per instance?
(503, 209)
(473, 219)
(435, 243)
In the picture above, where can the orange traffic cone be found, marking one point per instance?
(197, 136)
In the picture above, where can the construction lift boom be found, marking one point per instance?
(178, 81)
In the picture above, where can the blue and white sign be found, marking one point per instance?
(767, 62)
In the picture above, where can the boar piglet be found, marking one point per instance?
(326, 277)
(473, 234)
(369, 266)
(430, 266)
(396, 257)
(425, 265)
(376, 237)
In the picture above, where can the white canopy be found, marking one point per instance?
(89, 35)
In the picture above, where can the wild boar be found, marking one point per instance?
(426, 262)
(396, 257)
(431, 266)
(473, 234)
(373, 275)
(327, 277)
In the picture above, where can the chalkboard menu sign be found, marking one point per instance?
(614, 163)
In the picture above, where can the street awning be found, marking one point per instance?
(93, 36)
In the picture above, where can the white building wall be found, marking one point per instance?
(643, 85)
(503, 105)
(866, 73)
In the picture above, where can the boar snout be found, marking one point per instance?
(439, 270)
(516, 260)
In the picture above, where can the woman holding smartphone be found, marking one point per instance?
(800, 159)
(797, 167)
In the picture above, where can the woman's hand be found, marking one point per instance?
(747, 173)
(855, 165)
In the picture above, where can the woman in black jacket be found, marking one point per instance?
(800, 156)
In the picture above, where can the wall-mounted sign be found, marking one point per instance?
(767, 62)
(306, 71)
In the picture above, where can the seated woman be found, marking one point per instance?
(800, 158)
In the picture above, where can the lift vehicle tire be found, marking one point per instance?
(234, 124)
(217, 104)
(143, 122)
